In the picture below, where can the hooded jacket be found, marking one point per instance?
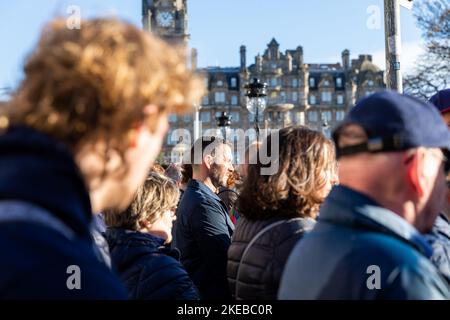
(45, 214)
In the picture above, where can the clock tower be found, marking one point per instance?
(166, 19)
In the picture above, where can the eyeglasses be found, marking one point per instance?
(446, 155)
(445, 158)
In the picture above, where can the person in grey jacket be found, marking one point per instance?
(276, 211)
(367, 243)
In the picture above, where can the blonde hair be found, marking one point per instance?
(93, 83)
(157, 195)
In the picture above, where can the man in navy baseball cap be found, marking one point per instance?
(368, 243)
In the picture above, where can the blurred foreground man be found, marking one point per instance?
(367, 243)
(79, 136)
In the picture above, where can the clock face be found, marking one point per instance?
(164, 19)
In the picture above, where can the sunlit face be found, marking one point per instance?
(110, 186)
(141, 157)
(222, 167)
(435, 189)
(331, 179)
(163, 226)
(329, 175)
(446, 117)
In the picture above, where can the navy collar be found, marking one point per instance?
(125, 235)
(203, 188)
(347, 206)
(38, 169)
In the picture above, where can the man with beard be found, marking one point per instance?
(203, 230)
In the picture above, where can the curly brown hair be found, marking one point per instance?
(305, 158)
(93, 84)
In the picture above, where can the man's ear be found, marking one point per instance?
(414, 173)
(208, 161)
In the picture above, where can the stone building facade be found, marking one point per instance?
(298, 93)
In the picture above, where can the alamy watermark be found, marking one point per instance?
(373, 282)
(73, 281)
(73, 21)
(373, 21)
(241, 141)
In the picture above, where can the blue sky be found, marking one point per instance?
(218, 27)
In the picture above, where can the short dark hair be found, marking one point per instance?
(205, 145)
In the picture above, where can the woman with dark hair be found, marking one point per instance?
(276, 210)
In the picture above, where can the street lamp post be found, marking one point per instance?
(325, 125)
(256, 93)
(392, 44)
(224, 122)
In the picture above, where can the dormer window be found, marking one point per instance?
(233, 82)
